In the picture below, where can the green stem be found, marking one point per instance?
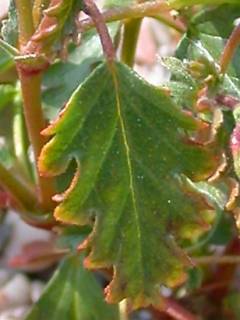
(31, 92)
(38, 7)
(130, 38)
(173, 309)
(230, 49)
(102, 29)
(146, 9)
(227, 259)
(18, 190)
(178, 4)
(20, 141)
(170, 22)
(25, 21)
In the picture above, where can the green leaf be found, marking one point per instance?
(218, 21)
(207, 36)
(6, 61)
(6, 156)
(128, 140)
(60, 21)
(183, 87)
(9, 30)
(72, 294)
(218, 194)
(71, 236)
(195, 278)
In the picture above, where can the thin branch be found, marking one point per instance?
(25, 21)
(178, 4)
(19, 191)
(101, 27)
(31, 92)
(223, 272)
(227, 259)
(171, 22)
(173, 309)
(38, 7)
(130, 37)
(230, 49)
(146, 9)
(8, 48)
(20, 141)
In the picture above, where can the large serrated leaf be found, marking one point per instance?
(128, 139)
(74, 294)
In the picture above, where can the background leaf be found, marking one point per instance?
(72, 293)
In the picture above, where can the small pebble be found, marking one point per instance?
(36, 290)
(16, 292)
(15, 313)
(4, 277)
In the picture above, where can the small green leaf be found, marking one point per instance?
(6, 156)
(72, 294)
(9, 30)
(183, 87)
(128, 140)
(217, 21)
(6, 61)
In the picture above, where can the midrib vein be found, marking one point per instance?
(129, 164)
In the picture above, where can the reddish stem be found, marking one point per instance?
(31, 92)
(47, 24)
(230, 48)
(4, 199)
(228, 101)
(225, 273)
(173, 309)
(101, 27)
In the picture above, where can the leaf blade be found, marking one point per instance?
(72, 293)
(131, 156)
